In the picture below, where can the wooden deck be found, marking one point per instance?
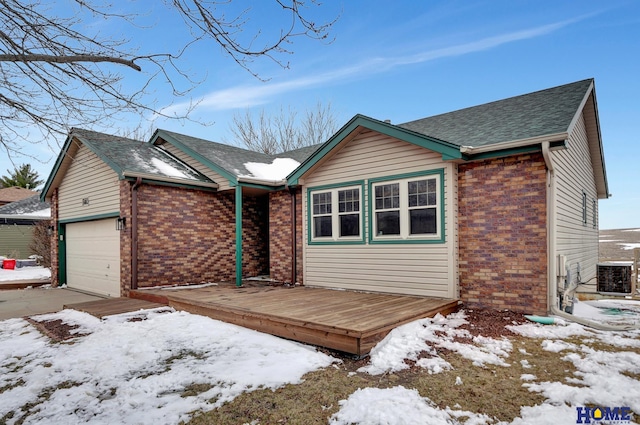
(353, 322)
(111, 306)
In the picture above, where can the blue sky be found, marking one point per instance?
(405, 60)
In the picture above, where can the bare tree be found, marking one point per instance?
(58, 71)
(272, 134)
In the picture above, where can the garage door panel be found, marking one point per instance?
(93, 257)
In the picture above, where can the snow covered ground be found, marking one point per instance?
(162, 369)
(153, 371)
(25, 273)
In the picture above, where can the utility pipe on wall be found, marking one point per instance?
(552, 282)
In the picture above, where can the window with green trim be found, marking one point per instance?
(336, 214)
(584, 208)
(407, 209)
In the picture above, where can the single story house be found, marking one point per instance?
(14, 193)
(492, 204)
(17, 221)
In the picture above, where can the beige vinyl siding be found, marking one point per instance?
(223, 183)
(574, 175)
(15, 239)
(88, 177)
(415, 269)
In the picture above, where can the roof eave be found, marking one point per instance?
(485, 151)
(264, 182)
(168, 179)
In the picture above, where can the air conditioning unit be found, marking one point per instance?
(614, 278)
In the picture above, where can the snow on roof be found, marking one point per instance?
(277, 170)
(166, 168)
(40, 213)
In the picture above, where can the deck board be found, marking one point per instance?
(111, 306)
(347, 321)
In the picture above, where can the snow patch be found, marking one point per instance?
(278, 170)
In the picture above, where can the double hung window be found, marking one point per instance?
(406, 209)
(336, 214)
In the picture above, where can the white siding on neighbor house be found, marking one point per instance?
(573, 176)
(88, 177)
(223, 183)
(416, 269)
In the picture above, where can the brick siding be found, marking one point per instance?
(280, 259)
(188, 236)
(503, 234)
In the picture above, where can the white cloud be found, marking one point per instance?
(245, 96)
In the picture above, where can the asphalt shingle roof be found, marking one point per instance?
(232, 158)
(134, 156)
(25, 206)
(535, 114)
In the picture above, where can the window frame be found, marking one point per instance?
(584, 208)
(405, 237)
(335, 214)
(595, 212)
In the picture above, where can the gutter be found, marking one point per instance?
(470, 150)
(167, 179)
(255, 180)
(552, 279)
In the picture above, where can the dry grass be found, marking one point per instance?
(496, 391)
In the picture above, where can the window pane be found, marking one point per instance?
(387, 196)
(350, 225)
(321, 226)
(322, 203)
(431, 199)
(388, 223)
(348, 200)
(422, 221)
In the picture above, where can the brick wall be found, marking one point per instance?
(188, 236)
(280, 236)
(502, 233)
(255, 236)
(125, 237)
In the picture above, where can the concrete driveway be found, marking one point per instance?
(29, 302)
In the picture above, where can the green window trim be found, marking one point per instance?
(329, 197)
(404, 209)
(584, 208)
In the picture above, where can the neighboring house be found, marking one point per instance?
(487, 204)
(15, 193)
(17, 220)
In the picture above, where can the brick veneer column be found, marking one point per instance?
(280, 259)
(503, 233)
(125, 237)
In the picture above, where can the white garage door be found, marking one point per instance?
(93, 257)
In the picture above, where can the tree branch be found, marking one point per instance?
(69, 59)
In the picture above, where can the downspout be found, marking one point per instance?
(294, 236)
(134, 233)
(552, 279)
